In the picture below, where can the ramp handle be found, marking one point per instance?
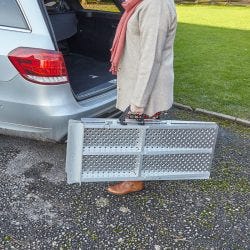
(139, 118)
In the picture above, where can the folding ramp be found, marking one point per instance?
(100, 149)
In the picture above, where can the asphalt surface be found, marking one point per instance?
(38, 210)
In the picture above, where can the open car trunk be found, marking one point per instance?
(87, 75)
(85, 38)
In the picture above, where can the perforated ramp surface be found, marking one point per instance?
(101, 149)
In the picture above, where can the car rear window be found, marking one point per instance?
(11, 15)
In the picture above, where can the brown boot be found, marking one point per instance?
(126, 187)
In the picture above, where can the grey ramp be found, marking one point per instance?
(100, 149)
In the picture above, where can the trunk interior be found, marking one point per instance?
(85, 38)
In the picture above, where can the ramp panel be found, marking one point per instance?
(100, 149)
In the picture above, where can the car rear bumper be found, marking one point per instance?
(55, 125)
(45, 116)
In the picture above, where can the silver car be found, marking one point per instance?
(54, 61)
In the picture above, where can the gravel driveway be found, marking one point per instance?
(38, 210)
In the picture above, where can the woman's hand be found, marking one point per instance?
(135, 109)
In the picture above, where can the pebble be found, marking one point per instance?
(120, 240)
(124, 210)
(157, 247)
(102, 202)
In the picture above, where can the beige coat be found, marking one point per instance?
(145, 77)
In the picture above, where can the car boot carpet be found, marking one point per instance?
(86, 73)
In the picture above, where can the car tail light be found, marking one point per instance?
(41, 66)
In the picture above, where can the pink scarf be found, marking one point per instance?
(120, 35)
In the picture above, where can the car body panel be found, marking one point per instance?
(7, 71)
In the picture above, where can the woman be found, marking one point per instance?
(142, 59)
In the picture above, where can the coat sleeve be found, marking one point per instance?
(152, 40)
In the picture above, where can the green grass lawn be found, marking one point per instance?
(212, 57)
